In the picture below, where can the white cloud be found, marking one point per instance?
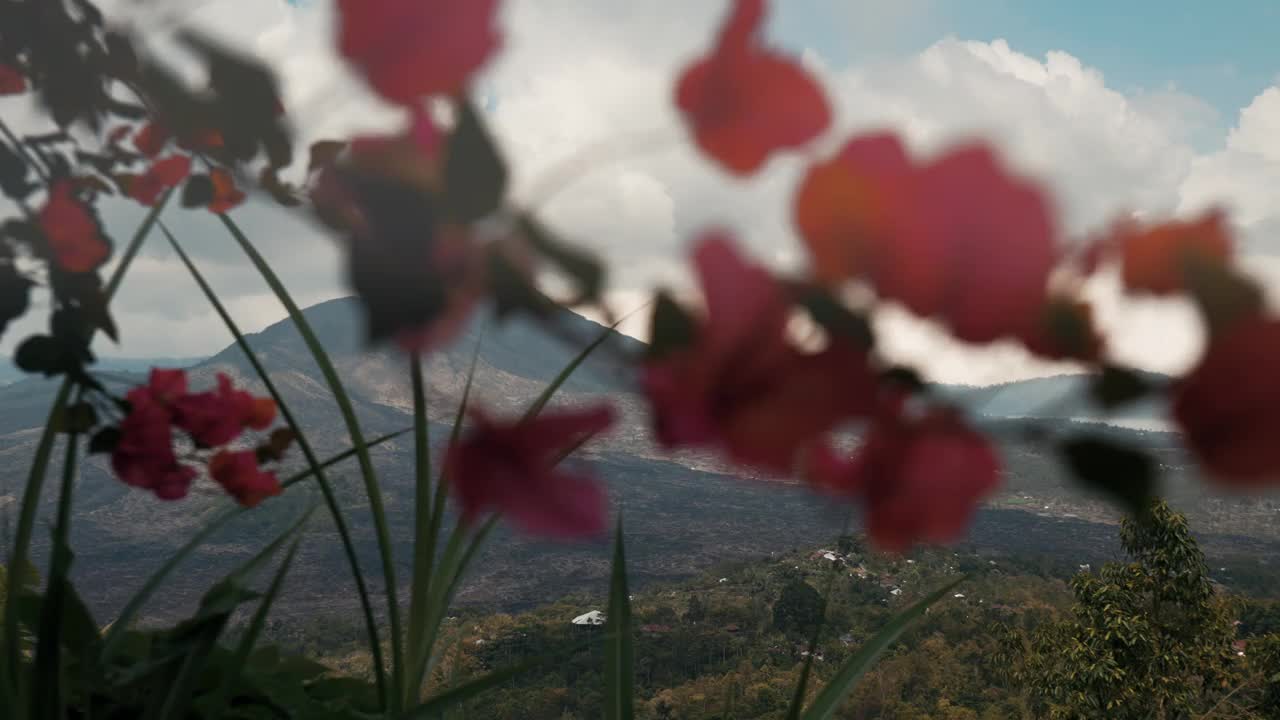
(574, 75)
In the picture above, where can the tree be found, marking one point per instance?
(798, 609)
(1149, 639)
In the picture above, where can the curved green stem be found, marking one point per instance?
(396, 692)
(313, 462)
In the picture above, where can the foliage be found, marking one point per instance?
(1148, 638)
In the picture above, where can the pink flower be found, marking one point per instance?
(920, 479)
(217, 417)
(410, 49)
(744, 101)
(1228, 406)
(74, 235)
(510, 467)
(742, 385)
(238, 473)
(162, 175)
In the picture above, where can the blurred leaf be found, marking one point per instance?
(15, 295)
(1117, 386)
(474, 172)
(198, 192)
(1222, 294)
(671, 328)
(835, 318)
(323, 154)
(13, 174)
(76, 418)
(907, 378)
(1126, 475)
(276, 446)
(513, 290)
(586, 271)
(104, 441)
(46, 355)
(283, 193)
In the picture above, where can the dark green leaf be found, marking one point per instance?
(198, 192)
(838, 320)
(76, 418)
(586, 271)
(1126, 475)
(104, 441)
(46, 355)
(671, 328)
(1116, 386)
(906, 378)
(619, 670)
(475, 175)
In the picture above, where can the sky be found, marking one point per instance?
(1156, 108)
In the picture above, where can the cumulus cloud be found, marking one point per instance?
(598, 76)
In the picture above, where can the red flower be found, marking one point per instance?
(742, 385)
(920, 479)
(976, 249)
(238, 473)
(12, 82)
(225, 193)
(510, 467)
(151, 139)
(847, 208)
(144, 455)
(1156, 258)
(75, 238)
(217, 417)
(744, 101)
(409, 49)
(162, 175)
(1228, 406)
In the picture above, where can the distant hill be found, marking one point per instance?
(685, 512)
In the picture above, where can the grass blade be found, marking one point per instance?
(395, 692)
(619, 672)
(347, 454)
(441, 703)
(35, 478)
(544, 397)
(423, 541)
(47, 696)
(829, 698)
(316, 469)
(255, 628)
(426, 641)
(209, 622)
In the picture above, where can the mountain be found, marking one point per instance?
(10, 373)
(685, 512)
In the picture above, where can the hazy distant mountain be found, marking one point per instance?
(684, 513)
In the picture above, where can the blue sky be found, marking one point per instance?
(1224, 54)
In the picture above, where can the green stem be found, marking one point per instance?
(423, 542)
(18, 559)
(308, 452)
(396, 692)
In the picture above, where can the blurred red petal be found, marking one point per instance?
(1228, 406)
(411, 49)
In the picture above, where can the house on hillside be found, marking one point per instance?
(595, 617)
